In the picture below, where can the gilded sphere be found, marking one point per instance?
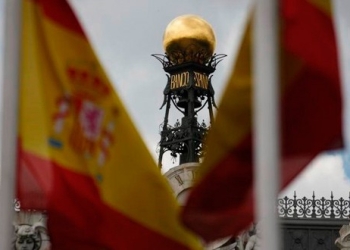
(189, 38)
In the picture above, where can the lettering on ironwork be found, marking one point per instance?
(179, 80)
(201, 80)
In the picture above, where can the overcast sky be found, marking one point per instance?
(126, 33)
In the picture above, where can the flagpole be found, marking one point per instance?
(9, 120)
(266, 122)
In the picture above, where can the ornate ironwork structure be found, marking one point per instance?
(312, 223)
(306, 224)
(322, 208)
(189, 90)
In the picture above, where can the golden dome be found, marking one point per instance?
(189, 38)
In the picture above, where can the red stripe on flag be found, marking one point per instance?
(308, 33)
(311, 120)
(79, 219)
(222, 202)
(60, 12)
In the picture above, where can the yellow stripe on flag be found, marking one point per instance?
(324, 5)
(232, 123)
(70, 114)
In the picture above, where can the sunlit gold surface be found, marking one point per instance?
(189, 35)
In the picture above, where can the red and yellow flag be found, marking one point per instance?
(80, 157)
(311, 117)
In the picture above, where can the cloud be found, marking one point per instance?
(323, 175)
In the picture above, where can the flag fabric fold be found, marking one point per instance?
(222, 202)
(79, 156)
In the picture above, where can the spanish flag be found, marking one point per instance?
(80, 158)
(221, 204)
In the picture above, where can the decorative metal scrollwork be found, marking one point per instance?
(188, 89)
(173, 138)
(313, 208)
(181, 57)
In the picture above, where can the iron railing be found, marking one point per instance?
(313, 208)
